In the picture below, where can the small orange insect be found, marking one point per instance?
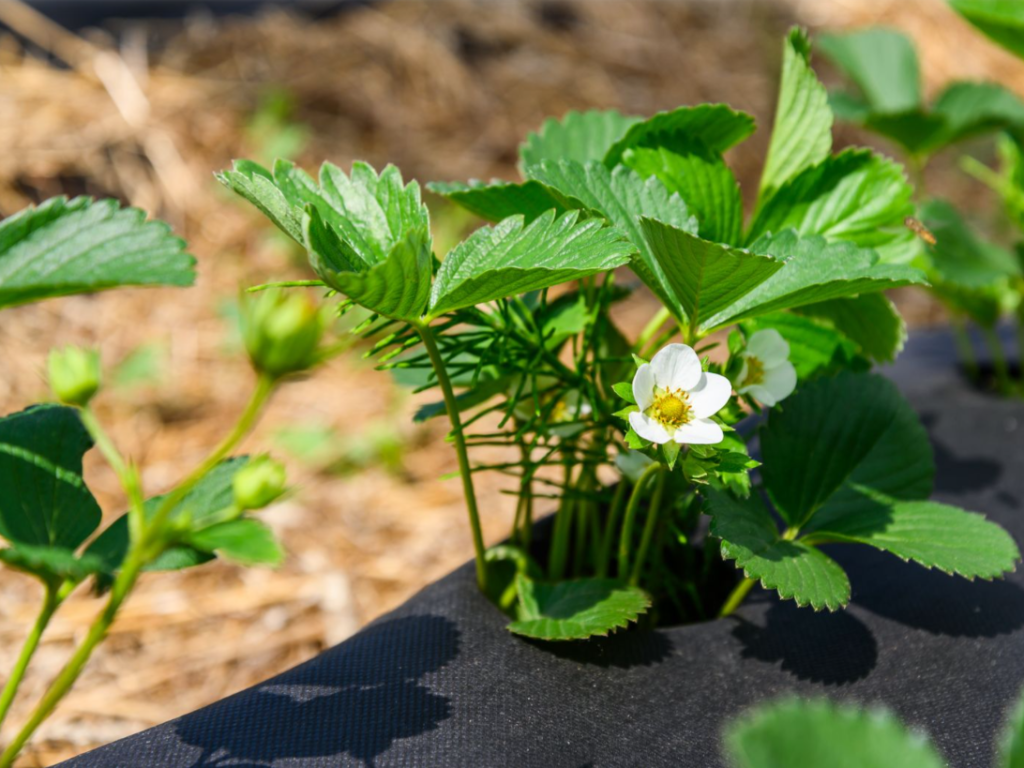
(919, 229)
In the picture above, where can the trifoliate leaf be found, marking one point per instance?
(245, 541)
(802, 133)
(500, 199)
(715, 126)
(856, 196)
(703, 181)
(870, 320)
(814, 271)
(63, 247)
(797, 571)
(706, 277)
(576, 609)
(932, 534)
(44, 501)
(1001, 20)
(511, 258)
(819, 733)
(579, 136)
(883, 64)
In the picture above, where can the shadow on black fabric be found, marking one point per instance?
(959, 475)
(830, 648)
(356, 699)
(623, 649)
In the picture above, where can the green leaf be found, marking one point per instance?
(399, 286)
(813, 347)
(481, 393)
(245, 541)
(883, 64)
(65, 247)
(707, 278)
(579, 136)
(856, 196)
(621, 196)
(874, 442)
(819, 733)
(1001, 20)
(797, 571)
(815, 271)
(1011, 740)
(512, 258)
(576, 609)
(51, 564)
(624, 389)
(500, 199)
(972, 108)
(870, 320)
(934, 535)
(715, 126)
(959, 257)
(703, 181)
(44, 501)
(802, 133)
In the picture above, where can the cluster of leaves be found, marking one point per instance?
(602, 190)
(819, 732)
(976, 279)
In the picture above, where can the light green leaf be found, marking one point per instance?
(245, 541)
(856, 196)
(706, 277)
(874, 442)
(715, 126)
(397, 287)
(883, 64)
(44, 501)
(1000, 20)
(819, 733)
(871, 320)
(621, 196)
(63, 247)
(802, 133)
(815, 271)
(703, 181)
(1011, 740)
(579, 136)
(934, 535)
(500, 199)
(750, 537)
(959, 257)
(510, 258)
(576, 609)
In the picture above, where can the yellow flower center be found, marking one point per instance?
(755, 371)
(671, 408)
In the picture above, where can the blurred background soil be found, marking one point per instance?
(146, 112)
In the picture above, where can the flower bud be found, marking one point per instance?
(258, 483)
(74, 374)
(282, 332)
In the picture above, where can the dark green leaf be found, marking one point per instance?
(471, 398)
(51, 564)
(1001, 20)
(576, 609)
(500, 199)
(64, 247)
(715, 126)
(245, 541)
(960, 257)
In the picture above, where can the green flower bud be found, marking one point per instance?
(258, 483)
(74, 374)
(282, 332)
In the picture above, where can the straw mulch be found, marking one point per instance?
(443, 90)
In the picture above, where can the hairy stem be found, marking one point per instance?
(50, 603)
(650, 525)
(736, 597)
(626, 539)
(459, 439)
(126, 473)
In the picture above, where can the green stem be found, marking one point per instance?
(563, 526)
(964, 347)
(127, 474)
(651, 328)
(605, 554)
(735, 598)
(50, 603)
(649, 527)
(995, 345)
(626, 539)
(460, 449)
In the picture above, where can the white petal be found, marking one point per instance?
(648, 428)
(643, 386)
(710, 395)
(676, 367)
(759, 393)
(769, 347)
(699, 432)
(632, 464)
(780, 380)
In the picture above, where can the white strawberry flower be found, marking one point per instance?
(767, 375)
(677, 398)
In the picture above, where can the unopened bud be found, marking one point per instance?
(282, 332)
(258, 483)
(74, 374)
